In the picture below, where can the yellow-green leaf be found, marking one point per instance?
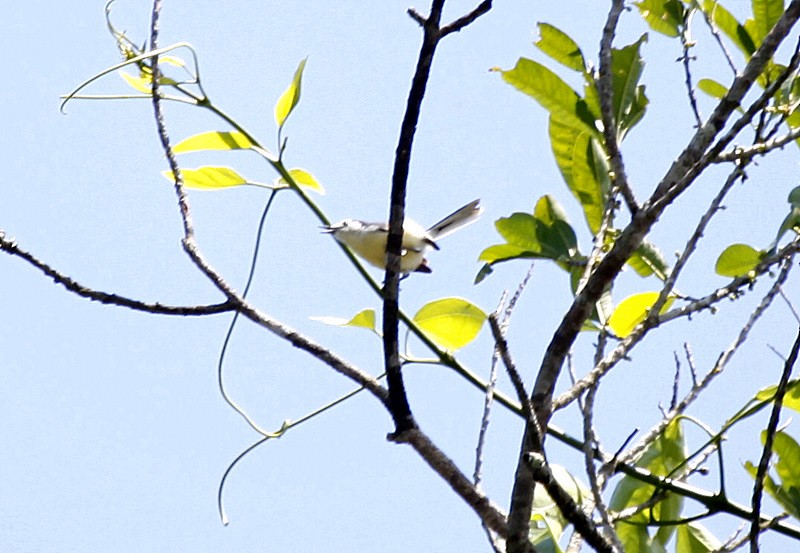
(290, 97)
(556, 44)
(791, 399)
(213, 140)
(737, 260)
(142, 84)
(695, 538)
(209, 178)
(633, 310)
(362, 319)
(556, 96)
(302, 178)
(450, 322)
(712, 88)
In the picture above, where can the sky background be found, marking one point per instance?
(114, 435)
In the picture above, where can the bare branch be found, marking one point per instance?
(10, 247)
(465, 20)
(687, 43)
(605, 89)
(489, 513)
(720, 42)
(400, 408)
(761, 148)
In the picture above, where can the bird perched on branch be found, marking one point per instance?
(368, 240)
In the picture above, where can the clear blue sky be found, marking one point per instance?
(114, 434)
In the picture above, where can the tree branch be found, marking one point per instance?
(680, 175)
(465, 20)
(489, 513)
(772, 426)
(605, 89)
(400, 408)
(11, 248)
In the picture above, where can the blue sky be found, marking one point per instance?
(113, 430)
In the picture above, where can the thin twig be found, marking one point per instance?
(760, 148)
(605, 89)
(718, 37)
(722, 362)
(465, 20)
(687, 43)
(10, 247)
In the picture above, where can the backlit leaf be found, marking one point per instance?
(290, 97)
(727, 23)
(629, 101)
(213, 140)
(450, 322)
(362, 319)
(712, 88)
(556, 44)
(737, 260)
(556, 96)
(766, 13)
(791, 399)
(633, 310)
(648, 260)
(662, 457)
(664, 16)
(302, 178)
(209, 178)
(695, 538)
(575, 156)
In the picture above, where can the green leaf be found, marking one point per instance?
(362, 319)
(484, 272)
(575, 156)
(547, 88)
(790, 222)
(791, 399)
(786, 490)
(545, 234)
(554, 230)
(737, 260)
(547, 522)
(209, 178)
(648, 260)
(727, 23)
(633, 310)
(629, 100)
(666, 454)
(290, 97)
(506, 252)
(766, 14)
(450, 322)
(794, 197)
(695, 538)
(712, 88)
(556, 44)
(213, 140)
(302, 178)
(664, 16)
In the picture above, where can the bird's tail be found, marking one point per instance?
(456, 220)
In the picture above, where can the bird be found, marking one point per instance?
(368, 240)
